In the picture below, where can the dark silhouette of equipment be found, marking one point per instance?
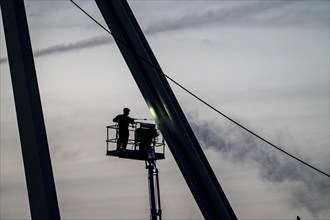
(148, 145)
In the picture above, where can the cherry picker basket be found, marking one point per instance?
(145, 142)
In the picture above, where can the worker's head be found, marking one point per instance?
(126, 111)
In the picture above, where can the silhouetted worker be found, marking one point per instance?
(123, 121)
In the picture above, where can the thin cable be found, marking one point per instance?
(201, 100)
(248, 130)
(109, 32)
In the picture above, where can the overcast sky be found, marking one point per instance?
(263, 63)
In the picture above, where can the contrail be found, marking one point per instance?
(310, 190)
(57, 49)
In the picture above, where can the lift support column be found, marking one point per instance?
(34, 144)
(166, 110)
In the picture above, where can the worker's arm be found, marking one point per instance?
(132, 122)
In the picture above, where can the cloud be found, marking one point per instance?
(260, 14)
(308, 189)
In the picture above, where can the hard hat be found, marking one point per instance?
(126, 110)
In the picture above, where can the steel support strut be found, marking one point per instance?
(34, 144)
(166, 110)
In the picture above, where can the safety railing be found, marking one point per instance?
(135, 143)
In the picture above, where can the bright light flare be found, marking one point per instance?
(153, 113)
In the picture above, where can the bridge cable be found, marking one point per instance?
(200, 99)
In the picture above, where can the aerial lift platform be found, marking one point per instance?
(147, 145)
(147, 142)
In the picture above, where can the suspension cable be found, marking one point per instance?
(201, 100)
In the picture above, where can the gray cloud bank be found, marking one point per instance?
(309, 189)
(260, 14)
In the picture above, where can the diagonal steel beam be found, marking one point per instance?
(166, 110)
(34, 144)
